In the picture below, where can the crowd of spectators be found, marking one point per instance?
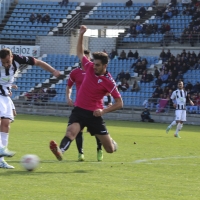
(171, 72)
(192, 32)
(41, 95)
(39, 18)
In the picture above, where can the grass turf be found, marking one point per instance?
(158, 166)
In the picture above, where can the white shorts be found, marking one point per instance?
(6, 107)
(180, 115)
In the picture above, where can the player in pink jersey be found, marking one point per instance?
(89, 104)
(76, 77)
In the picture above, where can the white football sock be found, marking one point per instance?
(178, 128)
(1, 145)
(181, 126)
(173, 123)
(1, 159)
(4, 139)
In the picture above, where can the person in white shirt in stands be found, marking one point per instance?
(179, 98)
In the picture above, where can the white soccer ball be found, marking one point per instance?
(30, 162)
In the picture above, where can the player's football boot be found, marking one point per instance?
(100, 155)
(5, 165)
(55, 150)
(177, 136)
(5, 152)
(81, 157)
(168, 129)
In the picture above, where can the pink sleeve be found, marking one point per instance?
(86, 63)
(115, 93)
(71, 79)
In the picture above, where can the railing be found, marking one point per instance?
(4, 6)
(73, 23)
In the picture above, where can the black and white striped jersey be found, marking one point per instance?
(7, 74)
(180, 96)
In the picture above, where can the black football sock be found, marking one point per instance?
(79, 142)
(65, 143)
(99, 145)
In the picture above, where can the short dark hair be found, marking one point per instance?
(101, 56)
(5, 52)
(87, 52)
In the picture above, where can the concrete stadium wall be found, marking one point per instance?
(53, 45)
(98, 44)
(105, 1)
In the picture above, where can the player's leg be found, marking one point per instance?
(96, 126)
(108, 143)
(180, 123)
(79, 144)
(71, 133)
(4, 129)
(99, 150)
(170, 126)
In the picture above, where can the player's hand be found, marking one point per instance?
(174, 105)
(70, 102)
(83, 29)
(110, 104)
(56, 73)
(10, 94)
(98, 112)
(14, 87)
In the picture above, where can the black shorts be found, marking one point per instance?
(95, 125)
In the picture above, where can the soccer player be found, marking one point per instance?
(89, 103)
(76, 77)
(179, 98)
(9, 64)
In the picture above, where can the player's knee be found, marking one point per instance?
(71, 135)
(109, 149)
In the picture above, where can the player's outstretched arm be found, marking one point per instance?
(68, 96)
(80, 49)
(116, 106)
(47, 67)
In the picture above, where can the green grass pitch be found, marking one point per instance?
(158, 166)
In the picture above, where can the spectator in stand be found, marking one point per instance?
(32, 18)
(173, 3)
(133, 32)
(46, 18)
(120, 76)
(156, 72)
(129, 3)
(113, 54)
(150, 77)
(122, 55)
(186, 2)
(138, 28)
(39, 17)
(163, 56)
(159, 13)
(196, 88)
(168, 54)
(51, 92)
(167, 39)
(180, 76)
(158, 82)
(123, 86)
(154, 3)
(64, 3)
(135, 87)
(144, 77)
(164, 77)
(104, 51)
(158, 91)
(127, 76)
(142, 11)
(171, 83)
(189, 86)
(136, 54)
(130, 55)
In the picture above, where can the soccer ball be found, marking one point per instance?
(30, 162)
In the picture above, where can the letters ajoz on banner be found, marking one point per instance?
(23, 50)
